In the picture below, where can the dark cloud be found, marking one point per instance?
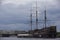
(17, 17)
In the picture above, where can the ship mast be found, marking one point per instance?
(31, 20)
(36, 16)
(45, 18)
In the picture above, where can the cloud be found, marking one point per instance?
(17, 1)
(11, 14)
(14, 27)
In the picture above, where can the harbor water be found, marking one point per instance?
(15, 38)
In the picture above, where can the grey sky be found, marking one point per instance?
(14, 14)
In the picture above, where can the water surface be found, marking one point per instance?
(15, 38)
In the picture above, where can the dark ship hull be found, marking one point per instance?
(49, 32)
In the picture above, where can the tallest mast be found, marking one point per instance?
(45, 17)
(36, 16)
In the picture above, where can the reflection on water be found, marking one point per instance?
(15, 38)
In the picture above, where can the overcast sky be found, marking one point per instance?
(15, 14)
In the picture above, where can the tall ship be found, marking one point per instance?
(45, 32)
